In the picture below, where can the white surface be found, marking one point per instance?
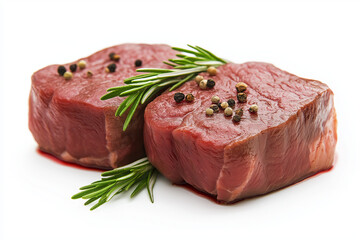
(318, 40)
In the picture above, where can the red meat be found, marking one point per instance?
(68, 119)
(292, 136)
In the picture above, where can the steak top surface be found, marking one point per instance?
(278, 94)
(89, 90)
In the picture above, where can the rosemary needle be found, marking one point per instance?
(142, 88)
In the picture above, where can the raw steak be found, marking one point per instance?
(292, 137)
(68, 119)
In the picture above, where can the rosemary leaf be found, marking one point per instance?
(139, 187)
(139, 76)
(182, 82)
(211, 54)
(154, 70)
(187, 51)
(125, 105)
(126, 167)
(110, 95)
(132, 110)
(151, 183)
(170, 64)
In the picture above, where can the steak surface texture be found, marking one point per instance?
(293, 135)
(68, 119)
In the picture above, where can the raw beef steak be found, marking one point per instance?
(292, 136)
(68, 119)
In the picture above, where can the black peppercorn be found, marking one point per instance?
(236, 118)
(179, 97)
(241, 97)
(231, 102)
(114, 57)
(210, 83)
(241, 87)
(138, 63)
(214, 107)
(73, 67)
(239, 112)
(61, 70)
(111, 55)
(189, 97)
(111, 67)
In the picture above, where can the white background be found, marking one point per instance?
(313, 39)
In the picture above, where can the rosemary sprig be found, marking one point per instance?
(142, 88)
(138, 175)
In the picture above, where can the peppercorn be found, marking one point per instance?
(68, 75)
(138, 63)
(241, 97)
(224, 105)
(114, 57)
(215, 99)
(82, 64)
(203, 84)
(189, 97)
(179, 97)
(209, 112)
(111, 55)
(198, 79)
(239, 112)
(254, 108)
(73, 67)
(111, 68)
(236, 118)
(210, 83)
(241, 87)
(89, 73)
(231, 102)
(214, 107)
(61, 70)
(228, 112)
(212, 71)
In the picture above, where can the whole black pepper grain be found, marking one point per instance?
(116, 58)
(189, 97)
(241, 97)
(241, 87)
(138, 63)
(61, 70)
(239, 112)
(111, 55)
(231, 102)
(179, 97)
(111, 67)
(210, 83)
(73, 67)
(236, 118)
(214, 107)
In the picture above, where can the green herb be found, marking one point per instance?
(142, 88)
(137, 175)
